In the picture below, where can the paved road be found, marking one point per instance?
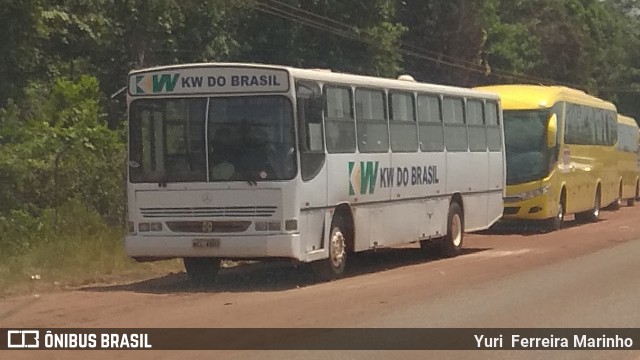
(586, 275)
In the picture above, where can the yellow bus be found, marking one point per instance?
(560, 152)
(628, 160)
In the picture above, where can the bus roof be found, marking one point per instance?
(521, 97)
(627, 120)
(325, 75)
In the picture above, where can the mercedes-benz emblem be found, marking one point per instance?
(207, 226)
(206, 198)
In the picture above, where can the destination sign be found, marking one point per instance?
(208, 80)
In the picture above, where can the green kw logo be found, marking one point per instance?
(362, 177)
(156, 83)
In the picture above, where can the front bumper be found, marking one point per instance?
(538, 208)
(231, 247)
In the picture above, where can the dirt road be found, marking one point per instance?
(586, 275)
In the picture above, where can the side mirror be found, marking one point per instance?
(552, 131)
(114, 114)
(116, 108)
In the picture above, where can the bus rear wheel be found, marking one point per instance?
(202, 271)
(333, 267)
(451, 244)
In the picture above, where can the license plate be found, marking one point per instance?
(206, 243)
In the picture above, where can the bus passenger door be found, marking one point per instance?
(312, 193)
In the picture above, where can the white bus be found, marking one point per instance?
(246, 161)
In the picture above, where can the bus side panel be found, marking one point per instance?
(580, 187)
(588, 165)
(355, 179)
(361, 219)
(402, 221)
(438, 204)
(627, 154)
(417, 179)
(629, 172)
(461, 167)
(438, 210)
(475, 211)
(610, 175)
(496, 186)
(476, 199)
(458, 165)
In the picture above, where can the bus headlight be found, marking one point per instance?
(291, 225)
(268, 226)
(153, 226)
(534, 193)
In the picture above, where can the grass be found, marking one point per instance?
(78, 248)
(75, 261)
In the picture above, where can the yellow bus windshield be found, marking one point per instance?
(525, 144)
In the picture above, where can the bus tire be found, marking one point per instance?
(594, 214)
(555, 223)
(451, 244)
(333, 267)
(202, 271)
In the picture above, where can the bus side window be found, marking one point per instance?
(455, 129)
(613, 127)
(430, 131)
(339, 121)
(402, 123)
(476, 124)
(494, 137)
(310, 132)
(371, 121)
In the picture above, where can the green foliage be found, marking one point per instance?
(60, 149)
(357, 36)
(20, 55)
(61, 60)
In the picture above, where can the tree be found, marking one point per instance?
(20, 56)
(356, 36)
(448, 38)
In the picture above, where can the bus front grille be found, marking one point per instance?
(209, 212)
(208, 226)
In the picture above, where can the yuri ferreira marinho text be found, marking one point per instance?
(553, 342)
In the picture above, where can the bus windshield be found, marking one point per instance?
(246, 139)
(525, 145)
(251, 138)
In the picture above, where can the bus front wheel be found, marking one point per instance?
(333, 267)
(202, 271)
(556, 222)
